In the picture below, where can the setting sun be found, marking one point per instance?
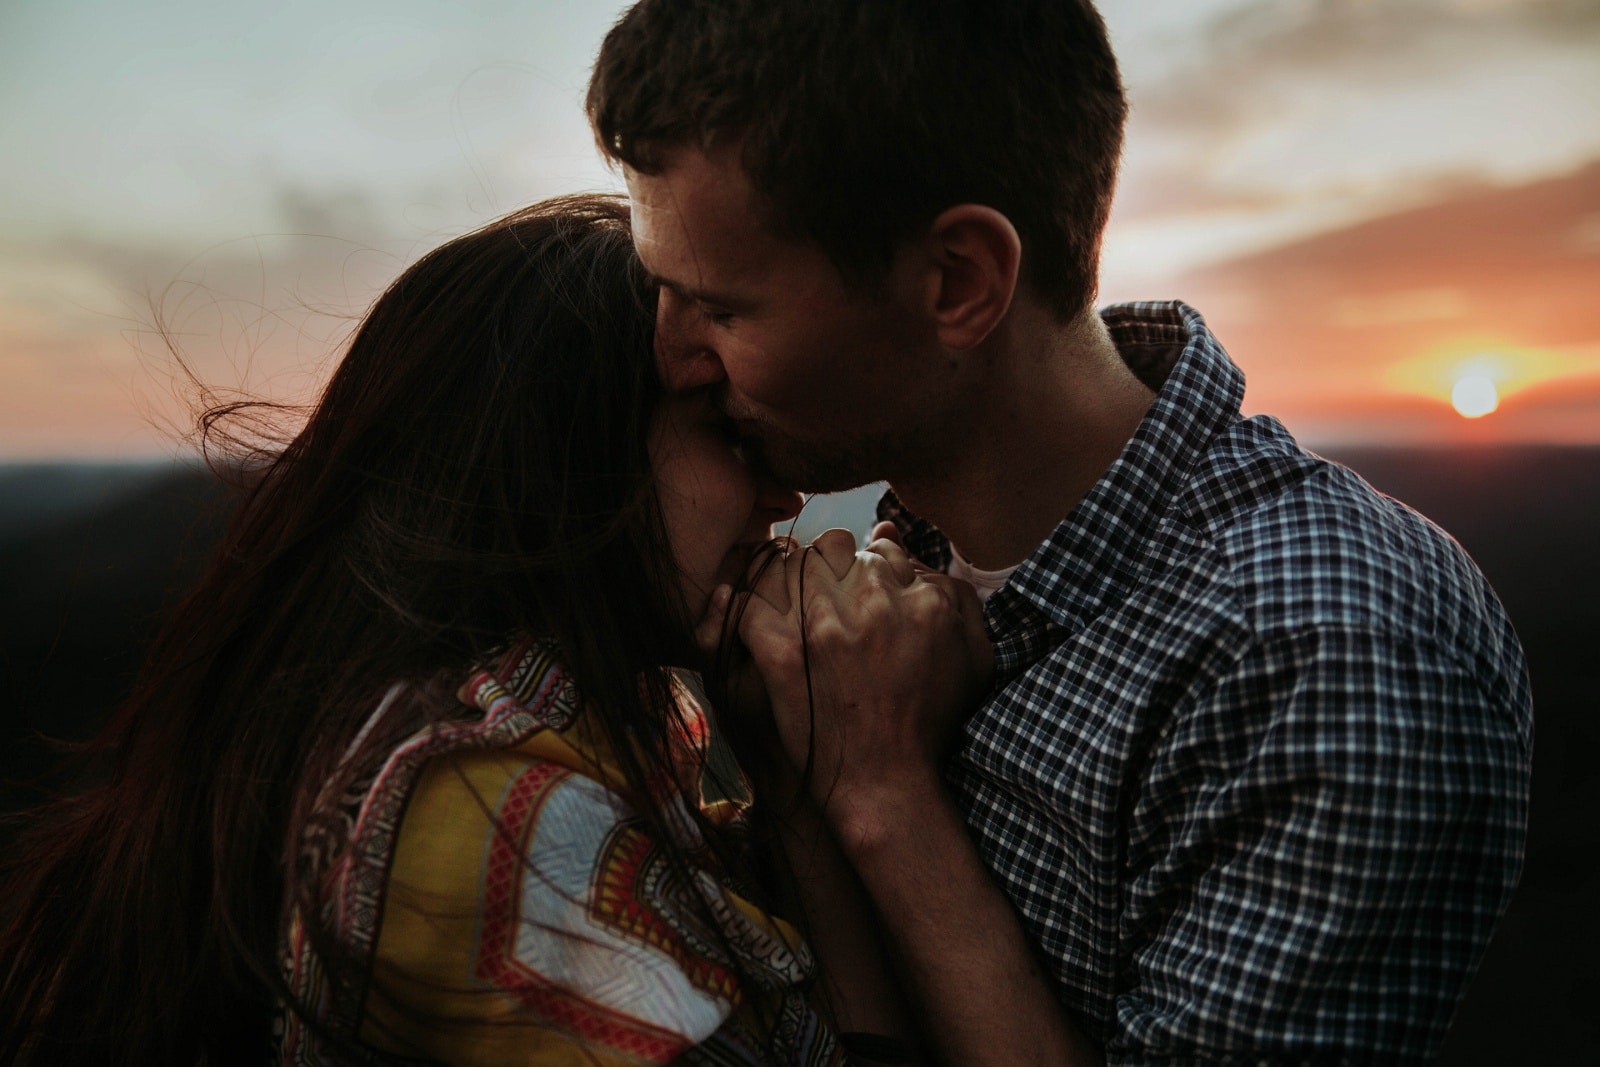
(1474, 376)
(1474, 395)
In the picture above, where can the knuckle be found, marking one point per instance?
(827, 629)
(836, 538)
(930, 606)
(875, 570)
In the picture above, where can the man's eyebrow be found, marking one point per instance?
(691, 292)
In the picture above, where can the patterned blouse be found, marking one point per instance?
(509, 907)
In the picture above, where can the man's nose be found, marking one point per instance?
(684, 369)
(684, 358)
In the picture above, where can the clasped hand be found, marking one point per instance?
(870, 662)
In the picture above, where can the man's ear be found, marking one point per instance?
(976, 255)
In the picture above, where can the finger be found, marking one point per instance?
(886, 531)
(969, 606)
(768, 576)
(837, 549)
(770, 635)
(708, 631)
(902, 565)
(901, 570)
(889, 549)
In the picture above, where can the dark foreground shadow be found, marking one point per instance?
(90, 558)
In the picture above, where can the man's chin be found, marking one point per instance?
(803, 466)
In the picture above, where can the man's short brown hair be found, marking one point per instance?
(860, 120)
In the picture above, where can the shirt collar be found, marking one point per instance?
(1095, 552)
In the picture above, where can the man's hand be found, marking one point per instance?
(871, 663)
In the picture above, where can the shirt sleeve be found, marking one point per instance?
(532, 919)
(1349, 832)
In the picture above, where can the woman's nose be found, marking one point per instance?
(774, 503)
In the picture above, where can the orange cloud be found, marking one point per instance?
(1360, 333)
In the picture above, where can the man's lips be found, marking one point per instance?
(737, 413)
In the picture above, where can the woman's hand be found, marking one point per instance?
(871, 663)
(738, 694)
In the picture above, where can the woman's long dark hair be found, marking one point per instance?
(476, 468)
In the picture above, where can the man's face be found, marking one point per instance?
(833, 385)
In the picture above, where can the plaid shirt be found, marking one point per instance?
(1254, 771)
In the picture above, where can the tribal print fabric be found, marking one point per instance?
(516, 910)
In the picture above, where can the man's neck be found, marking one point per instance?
(1055, 408)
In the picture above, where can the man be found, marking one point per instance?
(1249, 780)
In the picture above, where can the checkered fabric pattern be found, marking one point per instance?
(1254, 770)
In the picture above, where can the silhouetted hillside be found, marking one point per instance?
(81, 590)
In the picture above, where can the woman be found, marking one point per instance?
(408, 773)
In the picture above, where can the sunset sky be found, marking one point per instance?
(1374, 202)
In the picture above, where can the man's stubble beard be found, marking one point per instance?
(904, 444)
(818, 466)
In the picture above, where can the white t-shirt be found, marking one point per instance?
(985, 582)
